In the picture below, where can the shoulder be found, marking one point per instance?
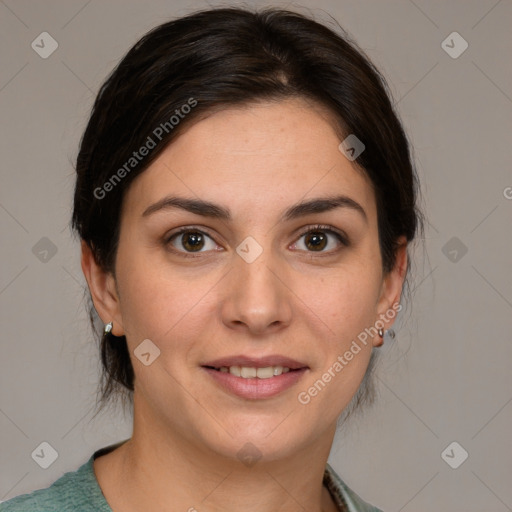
(76, 490)
(40, 500)
(345, 497)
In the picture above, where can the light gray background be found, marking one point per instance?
(447, 375)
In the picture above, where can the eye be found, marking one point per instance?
(317, 238)
(191, 240)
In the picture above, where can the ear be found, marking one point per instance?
(392, 284)
(103, 290)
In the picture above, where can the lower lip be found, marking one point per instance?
(254, 388)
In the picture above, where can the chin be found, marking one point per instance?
(256, 438)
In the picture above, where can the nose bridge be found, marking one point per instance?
(257, 296)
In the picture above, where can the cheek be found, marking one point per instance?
(346, 300)
(159, 304)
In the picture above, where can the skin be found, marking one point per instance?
(292, 300)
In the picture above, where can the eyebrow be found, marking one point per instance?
(215, 211)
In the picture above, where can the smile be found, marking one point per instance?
(255, 383)
(249, 372)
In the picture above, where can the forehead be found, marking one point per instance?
(253, 157)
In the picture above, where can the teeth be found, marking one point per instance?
(247, 372)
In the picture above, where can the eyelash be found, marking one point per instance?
(318, 227)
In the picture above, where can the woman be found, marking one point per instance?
(245, 198)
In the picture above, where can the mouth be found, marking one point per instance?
(252, 372)
(255, 378)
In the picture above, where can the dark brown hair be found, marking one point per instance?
(215, 59)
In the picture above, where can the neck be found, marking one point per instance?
(158, 470)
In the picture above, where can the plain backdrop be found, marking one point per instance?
(445, 378)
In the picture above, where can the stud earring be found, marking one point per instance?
(108, 328)
(382, 333)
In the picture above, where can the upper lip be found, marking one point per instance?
(256, 362)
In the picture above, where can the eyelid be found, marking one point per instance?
(184, 229)
(342, 238)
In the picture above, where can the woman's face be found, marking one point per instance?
(256, 284)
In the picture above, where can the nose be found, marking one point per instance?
(257, 299)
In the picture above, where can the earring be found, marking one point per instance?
(108, 328)
(382, 333)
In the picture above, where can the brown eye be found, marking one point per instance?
(318, 238)
(193, 241)
(315, 240)
(190, 240)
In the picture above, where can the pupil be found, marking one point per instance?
(317, 238)
(193, 241)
